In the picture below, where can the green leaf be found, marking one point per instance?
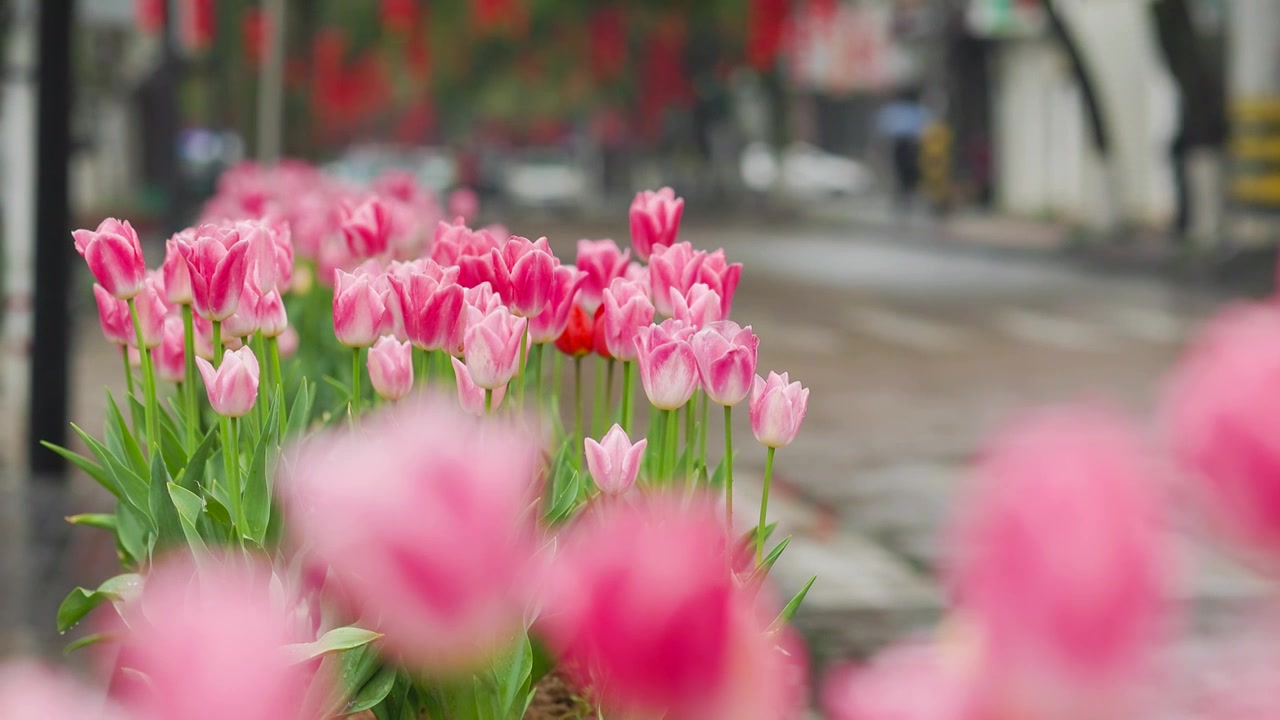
(131, 531)
(175, 457)
(513, 678)
(374, 691)
(102, 521)
(718, 477)
(88, 640)
(168, 527)
(192, 477)
(336, 640)
(80, 602)
(566, 501)
(131, 486)
(257, 492)
(762, 570)
(300, 411)
(789, 610)
(89, 467)
(188, 505)
(121, 439)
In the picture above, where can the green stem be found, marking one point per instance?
(598, 408)
(557, 375)
(608, 392)
(524, 352)
(444, 368)
(764, 505)
(149, 384)
(189, 378)
(264, 403)
(355, 382)
(128, 382)
(728, 467)
(274, 347)
(669, 446)
(658, 441)
(577, 406)
(488, 401)
(538, 351)
(628, 377)
(231, 462)
(702, 435)
(217, 343)
(690, 434)
(422, 362)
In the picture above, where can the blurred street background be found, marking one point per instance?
(948, 211)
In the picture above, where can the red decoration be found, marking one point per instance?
(608, 38)
(399, 16)
(151, 14)
(253, 32)
(765, 31)
(198, 24)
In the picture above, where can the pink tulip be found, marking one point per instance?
(492, 346)
(698, 307)
(359, 311)
(32, 692)
(391, 368)
(211, 641)
(1219, 417)
(114, 255)
(245, 321)
(218, 263)
(668, 369)
(1060, 565)
(614, 462)
(675, 268)
(643, 612)
(151, 308)
(726, 356)
(464, 203)
(626, 310)
(113, 315)
(637, 273)
(906, 682)
(471, 395)
(453, 242)
(366, 228)
(778, 407)
(423, 527)
(602, 261)
(432, 302)
(232, 387)
(547, 325)
(270, 253)
(655, 220)
(721, 276)
(529, 268)
(272, 318)
(170, 356)
(177, 274)
(287, 344)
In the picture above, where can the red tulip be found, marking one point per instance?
(576, 340)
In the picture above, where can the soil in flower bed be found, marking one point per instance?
(553, 699)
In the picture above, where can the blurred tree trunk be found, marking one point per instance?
(1088, 92)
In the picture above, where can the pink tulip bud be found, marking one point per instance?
(113, 315)
(177, 274)
(614, 462)
(1219, 416)
(212, 641)
(272, 318)
(471, 395)
(668, 369)
(233, 386)
(1060, 564)
(424, 528)
(367, 228)
(359, 311)
(655, 220)
(391, 368)
(698, 307)
(218, 263)
(431, 301)
(31, 692)
(530, 268)
(150, 306)
(643, 611)
(626, 310)
(601, 261)
(726, 356)
(548, 325)
(464, 203)
(492, 346)
(244, 322)
(170, 356)
(114, 255)
(778, 407)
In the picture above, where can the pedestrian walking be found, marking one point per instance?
(902, 123)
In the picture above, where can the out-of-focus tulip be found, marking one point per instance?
(721, 276)
(31, 692)
(464, 203)
(602, 261)
(778, 407)
(1219, 417)
(287, 343)
(726, 355)
(432, 301)
(391, 368)
(113, 315)
(614, 461)
(452, 242)
(644, 612)
(232, 387)
(906, 682)
(218, 263)
(170, 356)
(627, 309)
(367, 228)
(549, 324)
(698, 307)
(212, 642)
(359, 311)
(151, 308)
(668, 369)
(579, 331)
(114, 256)
(599, 340)
(492, 347)
(1060, 565)
(177, 275)
(471, 395)
(423, 527)
(655, 220)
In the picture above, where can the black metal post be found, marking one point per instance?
(51, 345)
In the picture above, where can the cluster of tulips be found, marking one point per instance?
(425, 532)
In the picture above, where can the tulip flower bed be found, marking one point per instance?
(350, 478)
